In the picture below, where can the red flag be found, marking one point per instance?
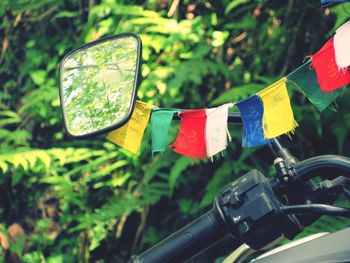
(191, 138)
(328, 74)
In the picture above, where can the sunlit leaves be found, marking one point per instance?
(205, 53)
(38, 76)
(29, 159)
(9, 117)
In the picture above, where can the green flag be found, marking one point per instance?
(160, 122)
(306, 79)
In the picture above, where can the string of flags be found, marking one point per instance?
(204, 133)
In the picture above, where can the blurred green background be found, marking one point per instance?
(63, 200)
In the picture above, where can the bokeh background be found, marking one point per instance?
(63, 200)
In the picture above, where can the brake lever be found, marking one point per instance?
(326, 192)
(336, 186)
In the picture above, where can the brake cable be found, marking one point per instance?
(316, 209)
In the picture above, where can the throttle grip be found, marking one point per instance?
(187, 242)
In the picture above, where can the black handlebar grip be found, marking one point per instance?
(187, 242)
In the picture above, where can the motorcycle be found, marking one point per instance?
(98, 88)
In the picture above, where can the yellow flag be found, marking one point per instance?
(129, 136)
(278, 115)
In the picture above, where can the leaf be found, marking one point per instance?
(18, 245)
(44, 158)
(219, 38)
(120, 180)
(218, 181)
(158, 163)
(38, 76)
(342, 16)
(234, 4)
(3, 166)
(16, 178)
(30, 158)
(135, 10)
(9, 117)
(56, 259)
(66, 14)
(31, 257)
(108, 169)
(245, 23)
(60, 154)
(37, 97)
(180, 165)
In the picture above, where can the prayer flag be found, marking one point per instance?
(251, 110)
(160, 122)
(342, 46)
(191, 138)
(328, 74)
(333, 1)
(306, 80)
(216, 129)
(278, 115)
(129, 136)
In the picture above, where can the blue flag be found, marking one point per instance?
(252, 110)
(324, 2)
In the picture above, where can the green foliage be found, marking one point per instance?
(92, 201)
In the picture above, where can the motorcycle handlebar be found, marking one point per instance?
(210, 227)
(323, 165)
(187, 242)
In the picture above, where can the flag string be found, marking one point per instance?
(265, 115)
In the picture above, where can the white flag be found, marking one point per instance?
(216, 129)
(342, 46)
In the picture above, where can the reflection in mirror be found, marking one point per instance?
(97, 84)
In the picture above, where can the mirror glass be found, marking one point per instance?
(98, 84)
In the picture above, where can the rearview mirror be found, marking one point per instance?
(98, 84)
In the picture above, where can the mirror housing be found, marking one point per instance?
(98, 84)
